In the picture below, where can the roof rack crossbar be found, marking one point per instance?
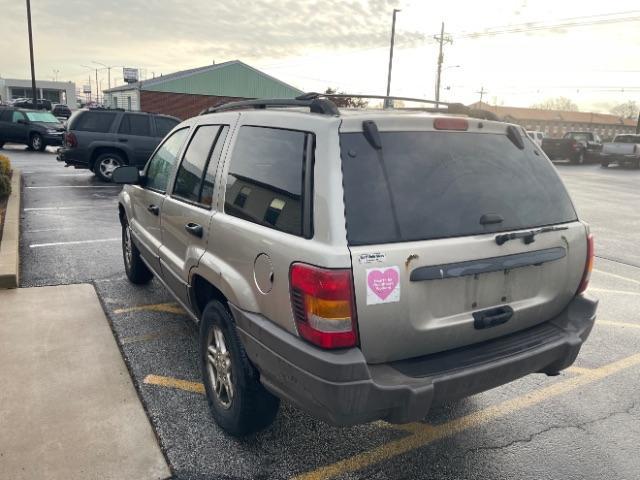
(315, 105)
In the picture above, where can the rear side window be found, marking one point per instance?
(93, 122)
(201, 155)
(268, 182)
(5, 115)
(132, 124)
(164, 125)
(427, 185)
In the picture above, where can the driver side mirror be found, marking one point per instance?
(126, 174)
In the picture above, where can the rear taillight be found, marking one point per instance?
(588, 267)
(70, 140)
(323, 305)
(451, 124)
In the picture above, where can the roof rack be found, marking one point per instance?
(321, 103)
(315, 105)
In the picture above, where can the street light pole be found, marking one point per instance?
(387, 102)
(33, 69)
(440, 39)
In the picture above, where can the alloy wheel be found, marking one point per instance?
(108, 165)
(219, 367)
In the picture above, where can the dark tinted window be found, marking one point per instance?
(425, 185)
(627, 139)
(189, 180)
(5, 115)
(212, 169)
(132, 124)
(161, 164)
(266, 177)
(93, 122)
(164, 125)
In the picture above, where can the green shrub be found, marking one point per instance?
(5, 185)
(5, 165)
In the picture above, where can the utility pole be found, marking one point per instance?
(387, 102)
(33, 69)
(481, 92)
(441, 39)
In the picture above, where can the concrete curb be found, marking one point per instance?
(10, 242)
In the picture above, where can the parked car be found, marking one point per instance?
(624, 150)
(61, 110)
(578, 147)
(102, 140)
(536, 136)
(332, 261)
(34, 128)
(41, 104)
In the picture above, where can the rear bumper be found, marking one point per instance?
(72, 156)
(619, 159)
(341, 388)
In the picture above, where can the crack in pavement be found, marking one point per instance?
(580, 426)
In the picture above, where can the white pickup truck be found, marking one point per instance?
(624, 150)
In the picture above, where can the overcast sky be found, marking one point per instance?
(344, 44)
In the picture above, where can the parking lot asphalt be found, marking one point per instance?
(582, 424)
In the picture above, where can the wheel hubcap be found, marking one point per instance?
(127, 246)
(36, 143)
(108, 165)
(219, 367)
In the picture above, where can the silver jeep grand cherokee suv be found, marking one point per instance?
(360, 264)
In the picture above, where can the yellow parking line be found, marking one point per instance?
(618, 324)
(580, 370)
(426, 434)
(617, 276)
(155, 307)
(171, 382)
(606, 290)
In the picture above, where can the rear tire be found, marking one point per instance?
(578, 159)
(137, 272)
(636, 164)
(238, 401)
(1, 144)
(36, 142)
(105, 164)
(604, 164)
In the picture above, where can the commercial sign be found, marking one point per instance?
(130, 75)
(86, 89)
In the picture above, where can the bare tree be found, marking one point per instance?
(557, 103)
(626, 110)
(346, 102)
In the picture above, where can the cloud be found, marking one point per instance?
(171, 35)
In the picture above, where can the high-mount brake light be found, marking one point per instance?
(461, 124)
(323, 305)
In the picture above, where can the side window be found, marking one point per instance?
(17, 116)
(161, 164)
(6, 115)
(189, 180)
(267, 184)
(94, 122)
(133, 124)
(164, 125)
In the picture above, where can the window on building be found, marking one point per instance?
(52, 95)
(266, 183)
(115, 102)
(161, 165)
(133, 124)
(17, 92)
(202, 154)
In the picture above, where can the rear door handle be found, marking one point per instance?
(492, 317)
(154, 209)
(194, 229)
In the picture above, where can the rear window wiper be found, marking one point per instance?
(527, 237)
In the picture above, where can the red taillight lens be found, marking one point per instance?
(588, 267)
(70, 140)
(451, 124)
(323, 305)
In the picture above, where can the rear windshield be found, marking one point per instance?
(92, 121)
(627, 139)
(427, 185)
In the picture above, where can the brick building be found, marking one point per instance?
(555, 123)
(186, 93)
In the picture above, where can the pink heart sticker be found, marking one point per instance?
(383, 283)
